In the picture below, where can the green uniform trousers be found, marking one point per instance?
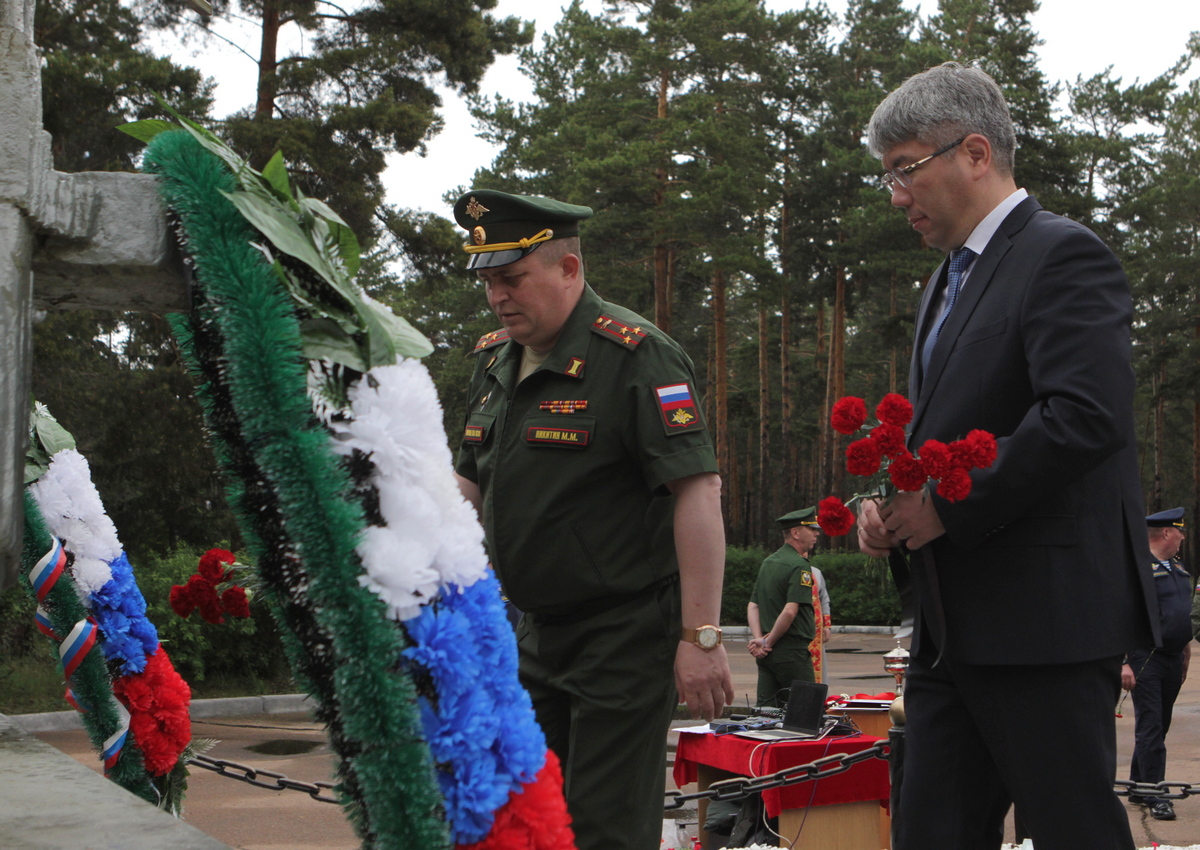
(603, 689)
(788, 661)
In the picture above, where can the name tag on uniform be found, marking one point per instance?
(575, 438)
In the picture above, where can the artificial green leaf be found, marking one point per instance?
(402, 339)
(146, 130)
(210, 142)
(285, 234)
(275, 173)
(322, 209)
(322, 338)
(53, 437)
(347, 248)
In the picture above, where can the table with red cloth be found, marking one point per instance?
(706, 758)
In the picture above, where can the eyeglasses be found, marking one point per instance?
(888, 182)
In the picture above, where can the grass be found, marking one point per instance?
(31, 685)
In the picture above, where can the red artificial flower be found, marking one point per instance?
(937, 458)
(157, 699)
(863, 457)
(211, 564)
(534, 818)
(975, 451)
(907, 473)
(894, 409)
(848, 414)
(234, 601)
(181, 600)
(889, 439)
(834, 518)
(955, 485)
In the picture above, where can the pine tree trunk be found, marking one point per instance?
(264, 107)
(720, 374)
(762, 491)
(662, 251)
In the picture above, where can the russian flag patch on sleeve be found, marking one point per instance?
(677, 404)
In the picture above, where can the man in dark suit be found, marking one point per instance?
(1027, 593)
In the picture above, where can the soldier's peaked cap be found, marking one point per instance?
(503, 228)
(1172, 518)
(804, 516)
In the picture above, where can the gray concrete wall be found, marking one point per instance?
(49, 801)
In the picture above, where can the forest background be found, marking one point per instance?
(721, 146)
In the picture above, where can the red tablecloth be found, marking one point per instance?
(866, 780)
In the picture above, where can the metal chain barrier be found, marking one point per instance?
(251, 775)
(742, 786)
(1161, 790)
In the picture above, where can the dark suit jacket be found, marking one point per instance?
(1039, 565)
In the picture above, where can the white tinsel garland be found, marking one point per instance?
(432, 536)
(75, 514)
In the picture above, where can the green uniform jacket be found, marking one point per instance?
(572, 462)
(785, 577)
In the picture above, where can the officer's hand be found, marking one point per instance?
(1128, 680)
(873, 537)
(912, 518)
(703, 679)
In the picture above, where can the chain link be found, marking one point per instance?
(1161, 790)
(742, 786)
(251, 775)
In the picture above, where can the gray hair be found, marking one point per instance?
(940, 106)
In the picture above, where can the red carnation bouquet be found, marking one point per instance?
(202, 592)
(883, 453)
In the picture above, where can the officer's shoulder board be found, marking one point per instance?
(491, 340)
(624, 334)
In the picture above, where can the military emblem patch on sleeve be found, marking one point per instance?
(678, 407)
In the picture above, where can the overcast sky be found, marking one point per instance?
(1139, 39)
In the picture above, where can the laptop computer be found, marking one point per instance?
(803, 718)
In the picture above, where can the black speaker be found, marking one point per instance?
(805, 707)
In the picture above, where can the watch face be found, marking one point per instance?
(707, 638)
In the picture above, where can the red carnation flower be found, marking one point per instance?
(955, 485)
(937, 458)
(848, 414)
(888, 439)
(834, 518)
(907, 473)
(894, 409)
(157, 699)
(863, 457)
(975, 451)
(181, 600)
(235, 603)
(211, 564)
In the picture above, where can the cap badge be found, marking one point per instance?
(479, 235)
(475, 209)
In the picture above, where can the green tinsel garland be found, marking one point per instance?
(263, 369)
(90, 681)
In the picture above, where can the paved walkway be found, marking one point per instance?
(243, 816)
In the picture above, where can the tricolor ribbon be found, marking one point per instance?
(47, 570)
(69, 696)
(78, 644)
(42, 620)
(115, 743)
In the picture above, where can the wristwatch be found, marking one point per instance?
(705, 637)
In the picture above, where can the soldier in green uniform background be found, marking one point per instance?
(782, 598)
(586, 455)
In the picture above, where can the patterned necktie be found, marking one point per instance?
(959, 260)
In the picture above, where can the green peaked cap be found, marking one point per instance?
(503, 228)
(804, 516)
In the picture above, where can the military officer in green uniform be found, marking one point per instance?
(782, 599)
(585, 452)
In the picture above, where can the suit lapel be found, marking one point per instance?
(981, 277)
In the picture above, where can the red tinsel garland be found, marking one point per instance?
(534, 818)
(157, 699)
